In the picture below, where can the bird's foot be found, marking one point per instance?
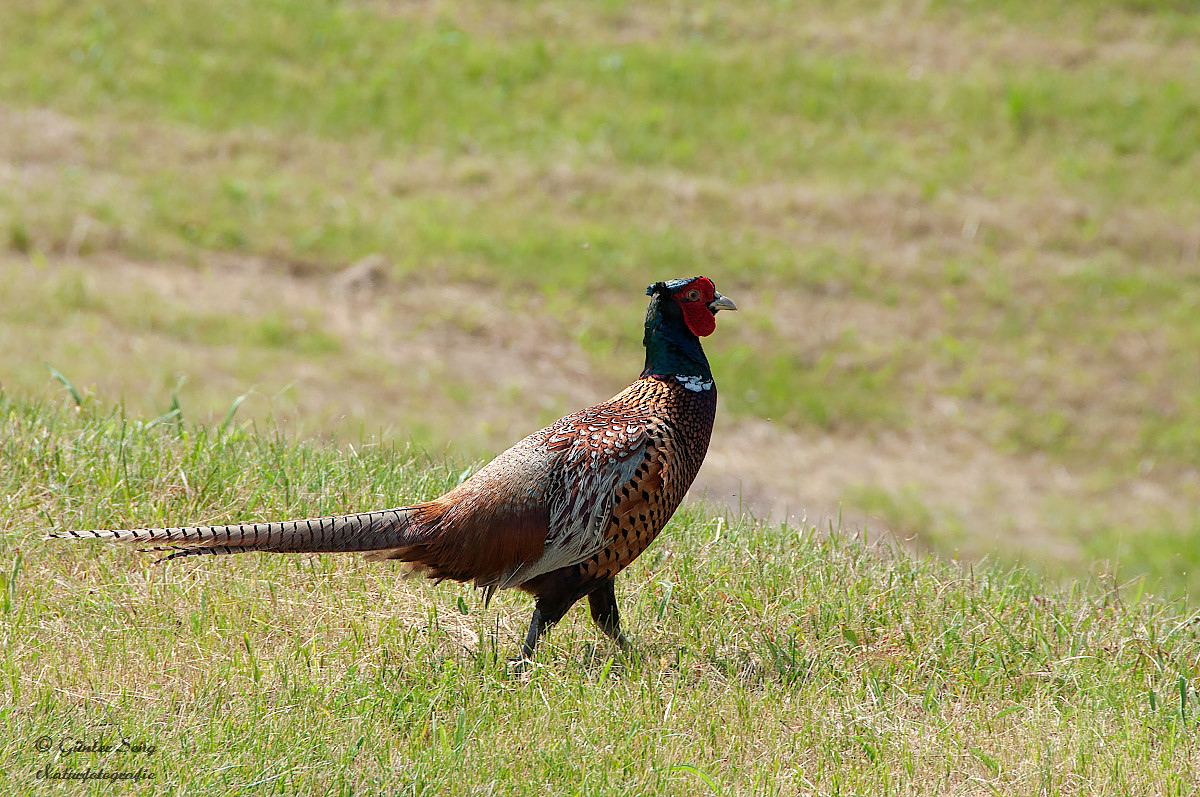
(521, 665)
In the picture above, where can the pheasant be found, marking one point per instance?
(560, 513)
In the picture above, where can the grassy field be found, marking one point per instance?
(964, 237)
(769, 659)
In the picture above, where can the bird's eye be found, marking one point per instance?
(693, 295)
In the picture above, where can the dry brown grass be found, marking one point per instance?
(506, 374)
(903, 34)
(488, 371)
(439, 341)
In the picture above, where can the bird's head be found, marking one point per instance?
(695, 299)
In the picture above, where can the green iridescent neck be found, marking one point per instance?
(671, 348)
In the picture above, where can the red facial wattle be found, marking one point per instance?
(699, 319)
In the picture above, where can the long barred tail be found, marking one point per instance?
(369, 531)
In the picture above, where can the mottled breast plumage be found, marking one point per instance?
(629, 458)
(677, 440)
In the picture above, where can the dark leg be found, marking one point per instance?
(603, 601)
(547, 612)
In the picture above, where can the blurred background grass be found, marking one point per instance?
(965, 238)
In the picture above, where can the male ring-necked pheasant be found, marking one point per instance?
(559, 514)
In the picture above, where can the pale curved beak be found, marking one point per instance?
(721, 303)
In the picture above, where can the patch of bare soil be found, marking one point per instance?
(896, 228)
(784, 474)
(903, 33)
(417, 330)
(520, 366)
